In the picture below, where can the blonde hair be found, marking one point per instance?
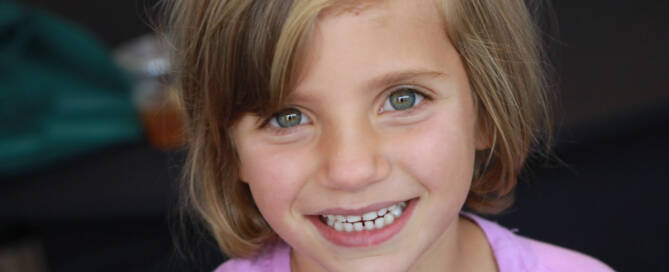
(237, 56)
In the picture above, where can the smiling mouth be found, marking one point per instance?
(368, 228)
(367, 221)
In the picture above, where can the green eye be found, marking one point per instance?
(287, 118)
(402, 99)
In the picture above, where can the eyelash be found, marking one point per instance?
(280, 130)
(417, 90)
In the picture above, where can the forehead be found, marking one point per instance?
(365, 44)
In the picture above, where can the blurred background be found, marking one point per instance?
(90, 146)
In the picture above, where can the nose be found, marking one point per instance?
(352, 158)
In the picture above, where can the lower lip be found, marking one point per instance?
(366, 237)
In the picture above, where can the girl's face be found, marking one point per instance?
(381, 115)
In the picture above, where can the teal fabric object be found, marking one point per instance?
(60, 92)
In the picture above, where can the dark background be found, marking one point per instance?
(109, 210)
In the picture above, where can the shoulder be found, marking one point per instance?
(274, 258)
(556, 258)
(517, 253)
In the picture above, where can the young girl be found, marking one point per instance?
(349, 135)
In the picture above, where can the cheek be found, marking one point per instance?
(440, 152)
(274, 177)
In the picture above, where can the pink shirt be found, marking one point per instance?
(512, 252)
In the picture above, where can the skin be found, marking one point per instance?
(351, 150)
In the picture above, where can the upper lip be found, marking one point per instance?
(359, 211)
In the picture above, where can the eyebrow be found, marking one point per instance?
(396, 77)
(386, 80)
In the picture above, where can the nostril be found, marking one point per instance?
(352, 157)
(357, 172)
(351, 171)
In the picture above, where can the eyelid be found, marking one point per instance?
(417, 89)
(265, 120)
(272, 125)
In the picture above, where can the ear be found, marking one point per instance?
(242, 178)
(483, 135)
(231, 136)
(240, 172)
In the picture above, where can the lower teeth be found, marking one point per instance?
(368, 221)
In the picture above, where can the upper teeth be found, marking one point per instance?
(368, 221)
